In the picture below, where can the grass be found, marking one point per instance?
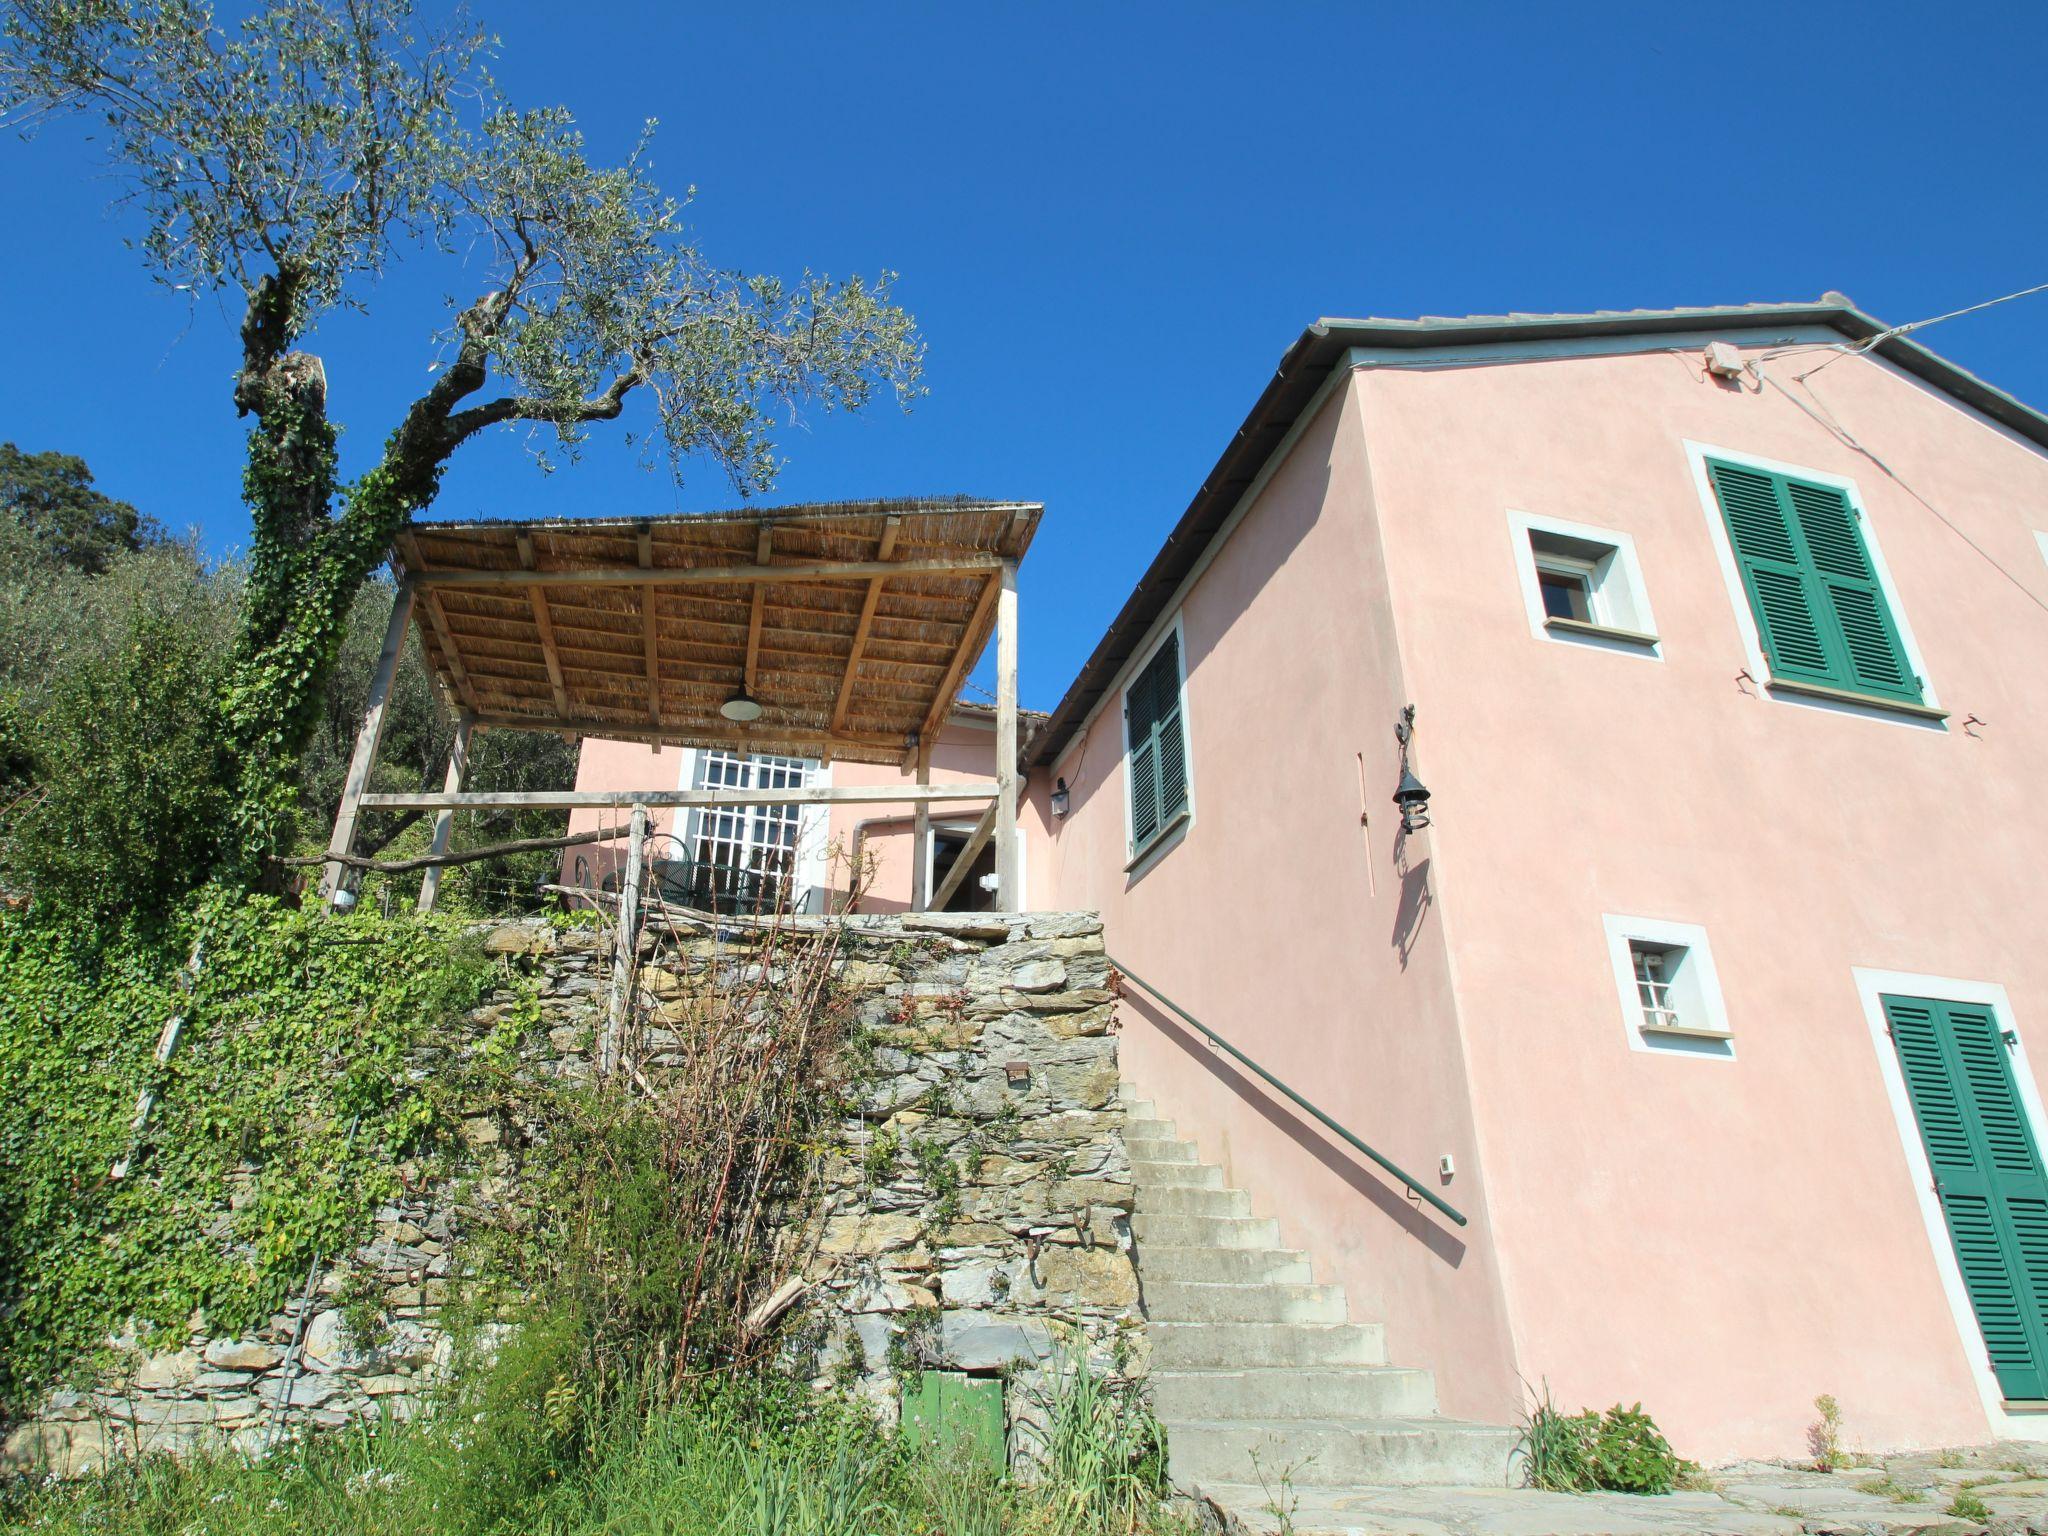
(747, 1457)
(1891, 1488)
(1967, 1506)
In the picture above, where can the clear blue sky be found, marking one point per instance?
(1112, 219)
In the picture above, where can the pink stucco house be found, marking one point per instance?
(1708, 984)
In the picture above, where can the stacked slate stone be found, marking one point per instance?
(974, 1217)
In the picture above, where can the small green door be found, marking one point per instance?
(965, 1410)
(1988, 1173)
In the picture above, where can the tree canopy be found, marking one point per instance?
(51, 497)
(288, 161)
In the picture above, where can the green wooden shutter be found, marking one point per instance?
(1158, 745)
(1819, 609)
(1987, 1174)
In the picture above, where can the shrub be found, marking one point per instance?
(1621, 1451)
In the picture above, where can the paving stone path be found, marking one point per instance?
(1888, 1496)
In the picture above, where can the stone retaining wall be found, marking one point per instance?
(992, 1053)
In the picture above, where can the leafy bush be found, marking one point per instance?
(1621, 1451)
(287, 1091)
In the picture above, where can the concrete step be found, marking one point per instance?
(1303, 1392)
(1324, 1453)
(1245, 1266)
(1191, 1175)
(1189, 1200)
(1209, 1301)
(1203, 1231)
(1145, 1128)
(1153, 1150)
(1237, 1346)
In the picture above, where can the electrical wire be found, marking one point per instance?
(1914, 325)
(1837, 430)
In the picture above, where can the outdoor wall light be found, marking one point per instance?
(742, 707)
(1060, 799)
(1411, 795)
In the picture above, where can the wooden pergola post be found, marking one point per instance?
(921, 836)
(343, 842)
(626, 955)
(1008, 865)
(444, 821)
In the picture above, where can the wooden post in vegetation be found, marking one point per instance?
(626, 956)
(1008, 866)
(444, 821)
(343, 842)
(921, 836)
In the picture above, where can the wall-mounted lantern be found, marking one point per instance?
(1060, 799)
(1411, 795)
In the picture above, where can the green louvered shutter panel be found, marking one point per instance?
(1819, 609)
(960, 1414)
(1987, 1173)
(1159, 759)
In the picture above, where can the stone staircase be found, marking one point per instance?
(1260, 1374)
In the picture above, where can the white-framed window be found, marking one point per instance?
(1670, 992)
(1582, 585)
(1158, 778)
(2042, 540)
(742, 857)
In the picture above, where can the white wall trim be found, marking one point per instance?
(2042, 540)
(1697, 455)
(1871, 986)
(1142, 862)
(1625, 568)
(1699, 954)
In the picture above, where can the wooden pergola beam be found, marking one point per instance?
(701, 575)
(546, 626)
(970, 645)
(867, 621)
(762, 542)
(650, 632)
(682, 734)
(600, 799)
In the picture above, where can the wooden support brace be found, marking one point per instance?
(650, 628)
(976, 841)
(444, 821)
(343, 840)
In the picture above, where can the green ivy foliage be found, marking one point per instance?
(285, 1116)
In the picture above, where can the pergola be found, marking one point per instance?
(824, 631)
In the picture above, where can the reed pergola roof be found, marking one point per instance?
(852, 624)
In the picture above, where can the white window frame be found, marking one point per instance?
(2042, 540)
(1622, 934)
(811, 866)
(1871, 986)
(1137, 861)
(1618, 600)
(1789, 691)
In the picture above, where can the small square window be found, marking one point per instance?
(1582, 585)
(1670, 995)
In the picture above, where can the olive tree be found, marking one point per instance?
(288, 161)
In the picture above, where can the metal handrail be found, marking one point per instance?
(1413, 1186)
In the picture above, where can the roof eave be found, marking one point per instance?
(1319, 349)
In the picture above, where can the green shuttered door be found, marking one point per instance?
(1819, 609)
(1158, 743)
(964, 1413)
(1988, 1174)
